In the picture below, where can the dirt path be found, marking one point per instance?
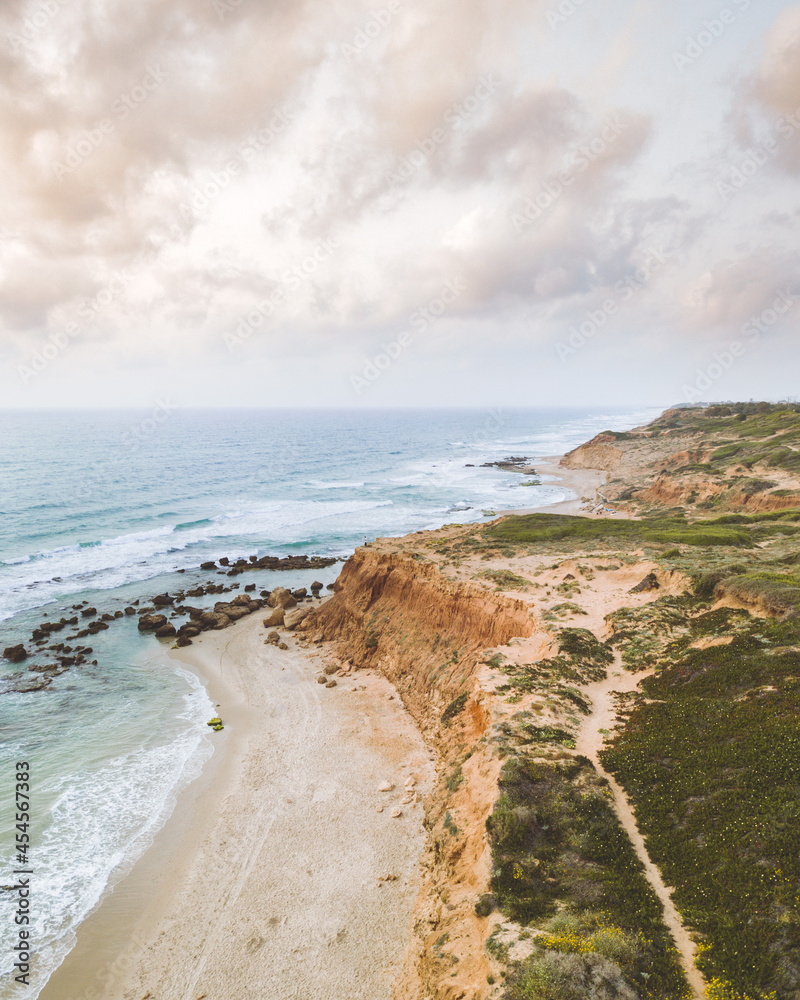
(589, 742)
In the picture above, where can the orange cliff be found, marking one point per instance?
(429, 635)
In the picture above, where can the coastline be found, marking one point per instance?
(128, 944)
(255, 884)
(582, 482)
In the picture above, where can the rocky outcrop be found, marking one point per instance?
(599, 453)
(15, 654)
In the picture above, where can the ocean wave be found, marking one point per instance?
(102, 822)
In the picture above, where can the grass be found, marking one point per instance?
(456, 707)
(562, 861)
(711, 759)
(542, 528)
(506, 580)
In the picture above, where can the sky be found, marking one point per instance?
(403, 203)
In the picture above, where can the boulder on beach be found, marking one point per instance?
(16, 654)
(183, 641)
(150, 623)
(281, 598)
(294, 618)
(166, 632)
(300, 593)
(276, 618)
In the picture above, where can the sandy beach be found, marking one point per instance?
(276, 876)
(582, 482)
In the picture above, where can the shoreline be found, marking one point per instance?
(113, 938)
(291, 899)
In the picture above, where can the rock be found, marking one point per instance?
(166, 632)
(89, 612)
(276, 618)
(150, 623)
(250, 586)
(407, 798)
(282, 645)
(568, 577)
(15, 654)
(243, 601)
(294, 618)
(273, 638)
(331, 684)
(300, 593)
(190, 631)
(208, 565)
(331, 586)
(98, 627)
(225, 561)
(322, 679)
(396, 813)
(183, 640)
(107, 617)
(387, 786)
(130, 611)
(214, 620)
(316, 586)
(379, 809)
(650, 582)
(162, 600)
(281, 598)
(119, 614)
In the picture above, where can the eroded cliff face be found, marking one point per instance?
(599, 453)
(428, 635)
(423, 631)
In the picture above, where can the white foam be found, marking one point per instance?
(103, 820)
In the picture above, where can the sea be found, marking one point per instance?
(109, 507)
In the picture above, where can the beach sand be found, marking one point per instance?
(582, 482)
(268, 881)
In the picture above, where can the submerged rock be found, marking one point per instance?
(150, 623)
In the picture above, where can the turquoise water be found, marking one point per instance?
(109, 507)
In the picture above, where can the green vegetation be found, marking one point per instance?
(562, 861)
(542, 528)
(506, 580)
(455, 708)
(711, 759)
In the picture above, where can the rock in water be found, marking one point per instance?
(16, 654)
(150, 623)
